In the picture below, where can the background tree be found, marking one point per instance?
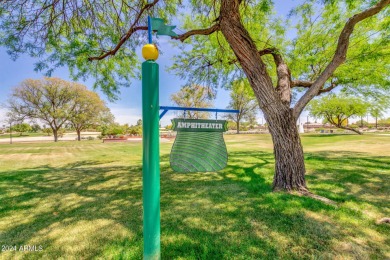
(35, 127)
(378, 107)
(194, 96)
(134, 130)
(22, 128)
(338, 109)
(47, 131)
(87, 111)
(50, 100)
(384, 122)
(106, 119)
(12, 119)
(252, 121)
(376, 112)
(242, 37)
(242, 99)
(114, 129)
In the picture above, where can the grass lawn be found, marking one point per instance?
(82, 200)
(16, 135)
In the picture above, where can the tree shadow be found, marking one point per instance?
(353, 175)
(273, 225)
(88, 209)
(67, 198)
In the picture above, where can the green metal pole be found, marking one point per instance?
(151, 159)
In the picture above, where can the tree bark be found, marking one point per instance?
(288, 152)
(351, 129)
(238, 127)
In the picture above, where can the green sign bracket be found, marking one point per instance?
(167, 108)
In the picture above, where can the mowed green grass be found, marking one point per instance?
(82, 200)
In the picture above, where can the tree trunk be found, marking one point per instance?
(376, 122)
(289, 159)
(55, 134)
(351, 129)
(78, 135)
(275, 103)
(238, 127)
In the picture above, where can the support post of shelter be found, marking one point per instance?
(151, 160)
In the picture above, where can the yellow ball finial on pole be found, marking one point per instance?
(150, 52)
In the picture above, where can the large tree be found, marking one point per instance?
(338, 109)
(193, 96)
(236, 37)
(51, 100)
(242, 99)
(88, 111)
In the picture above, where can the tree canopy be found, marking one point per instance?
(99, 39)
(194, 96)
(338, 109)
(55, 102)
(22, 128)
(91, 38)
(89, 111)
(242, 99)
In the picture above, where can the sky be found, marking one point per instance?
(128, 108)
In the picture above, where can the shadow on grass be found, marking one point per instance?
(355, 176)
(87, 209)
(67, 198)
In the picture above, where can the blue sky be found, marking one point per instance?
(128, 108)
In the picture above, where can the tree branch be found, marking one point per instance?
(333, 84)
(120, 43)
(206, 31)
(124, 38)
(301, 83)
(351, 129)
(339, 56)
(284, 76)
(268, 51)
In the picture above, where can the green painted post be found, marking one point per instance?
(151, 159)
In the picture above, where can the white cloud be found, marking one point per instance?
(125, 115)
(166, 120)
(130, 116)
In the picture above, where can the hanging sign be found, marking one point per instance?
(199, 145)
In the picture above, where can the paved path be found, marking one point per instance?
(67, 137)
